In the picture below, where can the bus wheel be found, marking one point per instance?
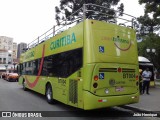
(24, 85)
(49, 94)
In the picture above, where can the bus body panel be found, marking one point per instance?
(106, 42)
(94, 102)
(109, 81)
(67, 40)
(110, 57)
(116, 82)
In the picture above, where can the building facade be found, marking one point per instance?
(6, 43)
(21, 47)
(14, 50)
(8, 52)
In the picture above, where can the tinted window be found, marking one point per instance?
(58, 65)
(36, 66)
(63, 64)
(24, 68)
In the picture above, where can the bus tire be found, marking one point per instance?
(49, 94)
(24, 85)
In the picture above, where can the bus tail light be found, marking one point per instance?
(102, 100)
(119, 69)
(137, 77)
(96, 77)
(95, 85)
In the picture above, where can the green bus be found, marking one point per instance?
(90, 64)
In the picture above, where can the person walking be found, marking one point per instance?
(146, 75)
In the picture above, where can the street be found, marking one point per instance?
(13, 98)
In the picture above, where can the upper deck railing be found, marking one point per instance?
(88, 11)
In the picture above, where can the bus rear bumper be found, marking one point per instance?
(92, 101)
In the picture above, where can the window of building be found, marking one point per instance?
(0, 60)
(9, 42)
(4, 60)
(5, 40)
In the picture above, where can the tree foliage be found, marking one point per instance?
(68, 7)
(150, 21)
(152, 41)
(152, 6)
(149, 31)
(148, 25)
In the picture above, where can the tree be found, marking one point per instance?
(151, 6)
(68, 7)
(148, 25)
(151, 41)
(150, 22)
(149, 30)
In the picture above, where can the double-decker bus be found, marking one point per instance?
(88, 63)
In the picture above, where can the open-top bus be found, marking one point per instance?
(88, 63)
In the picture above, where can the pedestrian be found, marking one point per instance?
(146, 75)
(140, 81)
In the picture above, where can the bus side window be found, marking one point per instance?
(24, 68)
(66, 63)
(47, 64)
(74, 60)
(18, 69)
(21, 66)
(62, 64)
(36, 66)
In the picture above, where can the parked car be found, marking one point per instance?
(12, 77)
(3, 75)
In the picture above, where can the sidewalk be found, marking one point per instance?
(148, 102)
(157, 82)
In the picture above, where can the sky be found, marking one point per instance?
(25, 20)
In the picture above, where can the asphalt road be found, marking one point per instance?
(13, 98)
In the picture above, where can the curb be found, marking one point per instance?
(141, 110)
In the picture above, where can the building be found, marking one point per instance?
(6, 43)
(14, 50)
(3, 56)
(21, 47)
(8, 52)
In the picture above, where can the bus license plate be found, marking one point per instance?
(118, 89)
